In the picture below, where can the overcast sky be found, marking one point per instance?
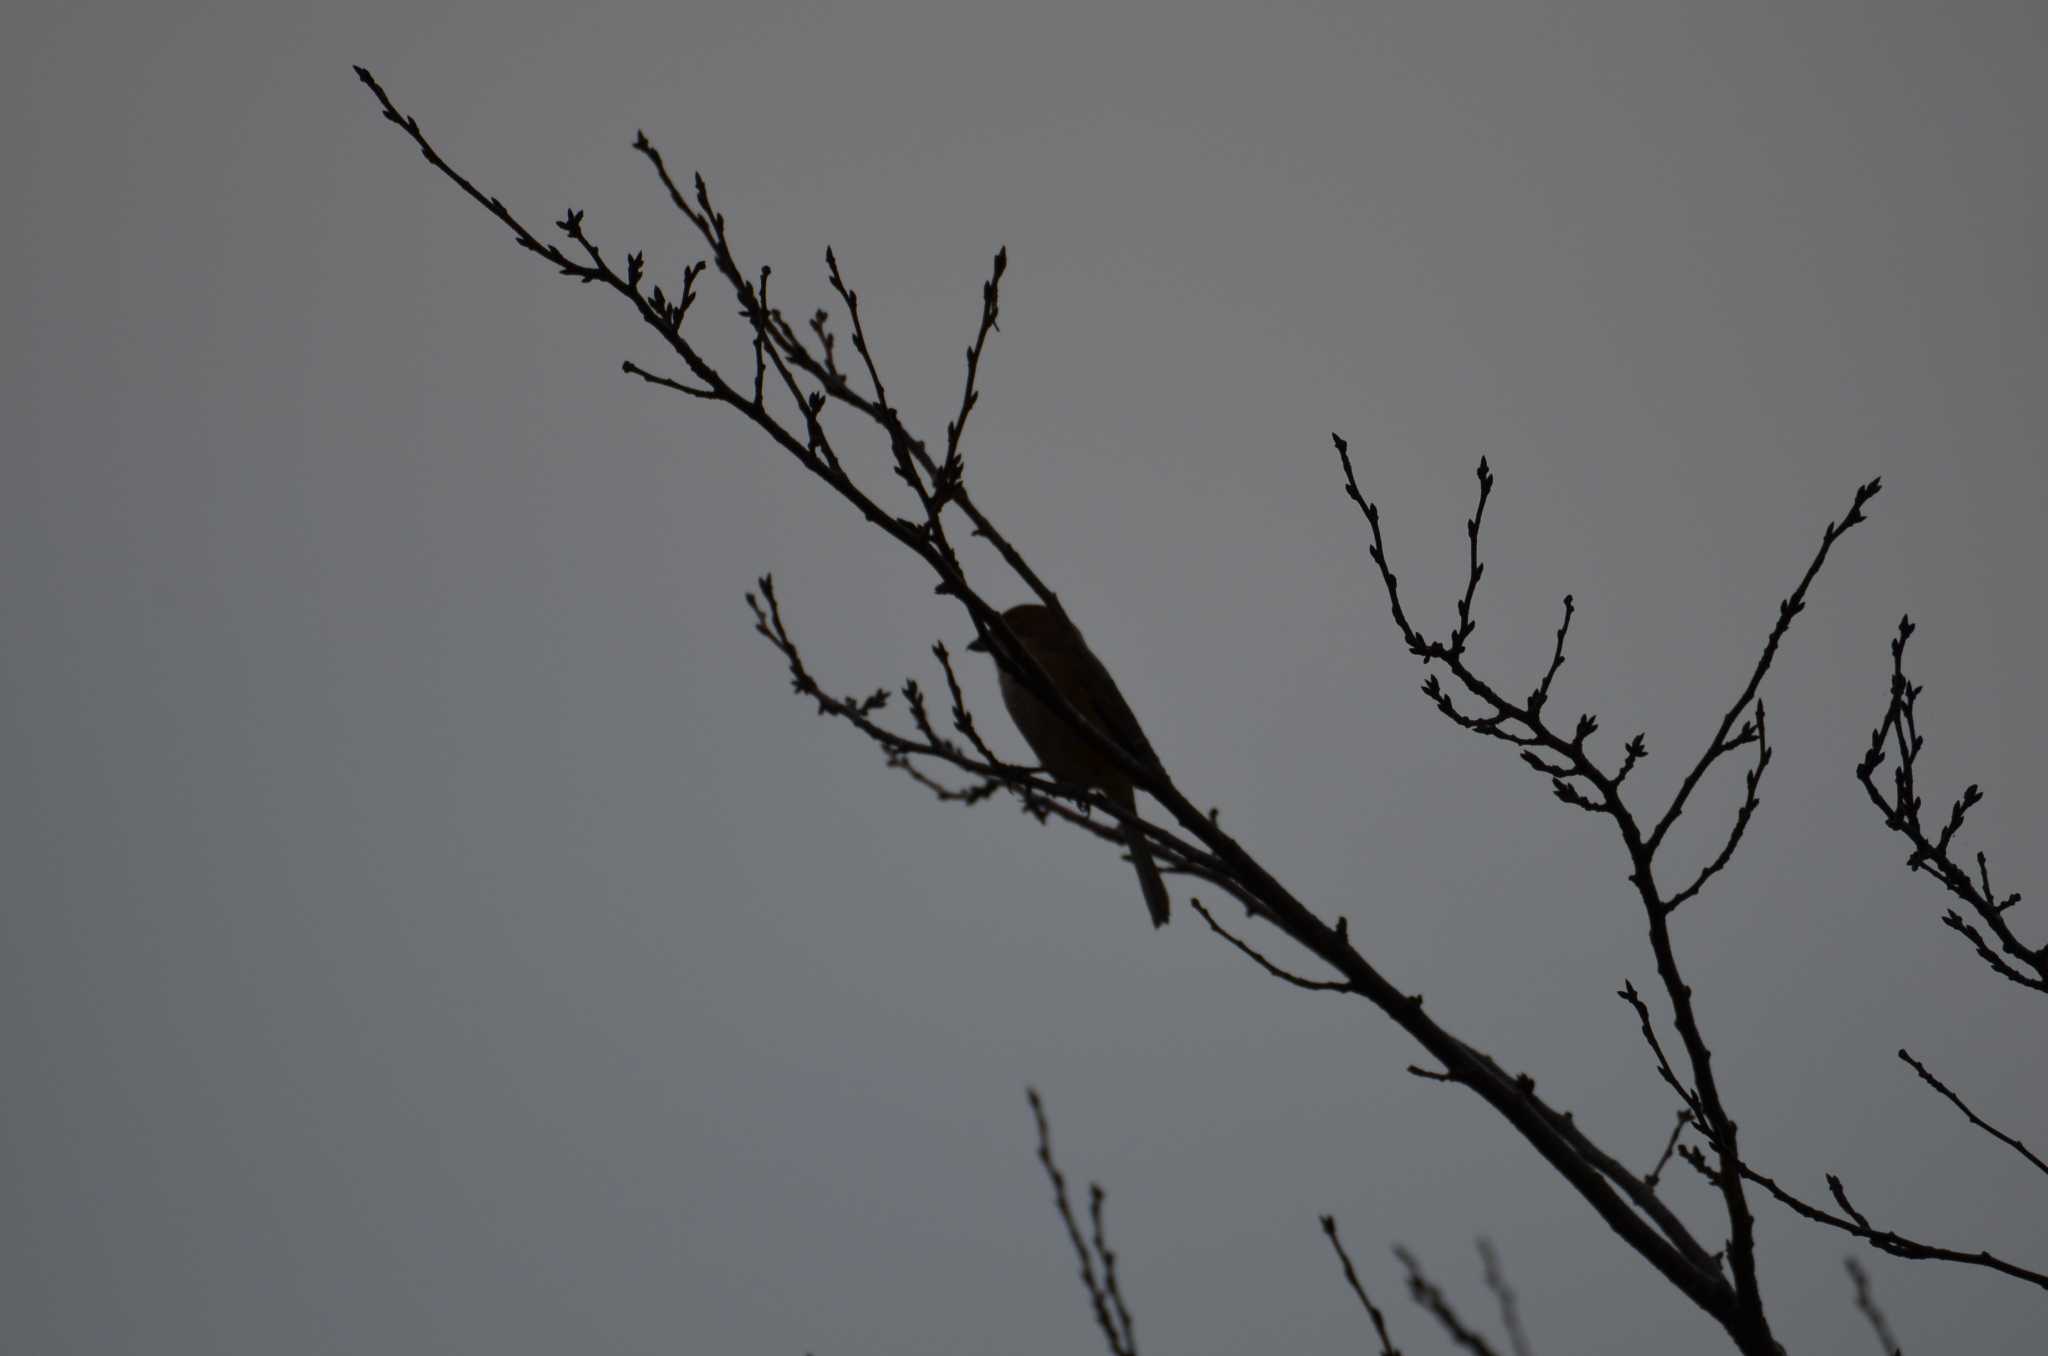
(431, 924)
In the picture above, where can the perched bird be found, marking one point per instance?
(1067, 753)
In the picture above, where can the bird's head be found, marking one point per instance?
(1033, 623)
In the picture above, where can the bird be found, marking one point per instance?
(1066, 752)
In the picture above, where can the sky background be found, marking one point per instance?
(429, 923)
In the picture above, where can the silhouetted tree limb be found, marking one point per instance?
(1867, 1306)
(1425, 1293)
(790, 395)
(1651, 1178)
(1853, 1222)
(1097, 1261)
(1510, 1313)
(1898, 733)
(1928, 1078)
(1900, 728)
(1287, 976)
(1577, 778)
(1686, 1095)
(1372, 1311)
(796, 393)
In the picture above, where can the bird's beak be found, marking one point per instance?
(978, 645)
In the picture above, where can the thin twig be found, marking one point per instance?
(1105, 1296)
(1510, 1314)
(1656, 1173)
(1855, 1223)
(1298, 981)
(1867, 1306)
(1685, 1094)
(1976, 1120)
(1790, 608)
(1379, 1320)
(1900, 726)
(1425, 1293)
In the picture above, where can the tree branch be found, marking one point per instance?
(1867, 1306)
(1510, 1314)
(1900, 726)
(1565, 759)
(813, 384)
(1855, 1223)
(1928, 1078)
(1372, 1311)
(1097, 1262)
(1425, 1293)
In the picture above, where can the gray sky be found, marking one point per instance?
(431, 924)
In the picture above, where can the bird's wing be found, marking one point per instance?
(1106, 706)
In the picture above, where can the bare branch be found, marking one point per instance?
(1656, 1173)
(1105, 1296)
(1098, 1238)
(1577, 780)
(1510, 1315)
(1928, 1078)
(1542, 692)
(632, 368)
(809, 374)
(1379, 1320)
(1793, 605)
(1466, 625)
(1685, 1094)
(1742, 816)
(1867, 1306)
(1900, 727)
(1425, 1293)
(1298, 981)
(1853, 1222)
